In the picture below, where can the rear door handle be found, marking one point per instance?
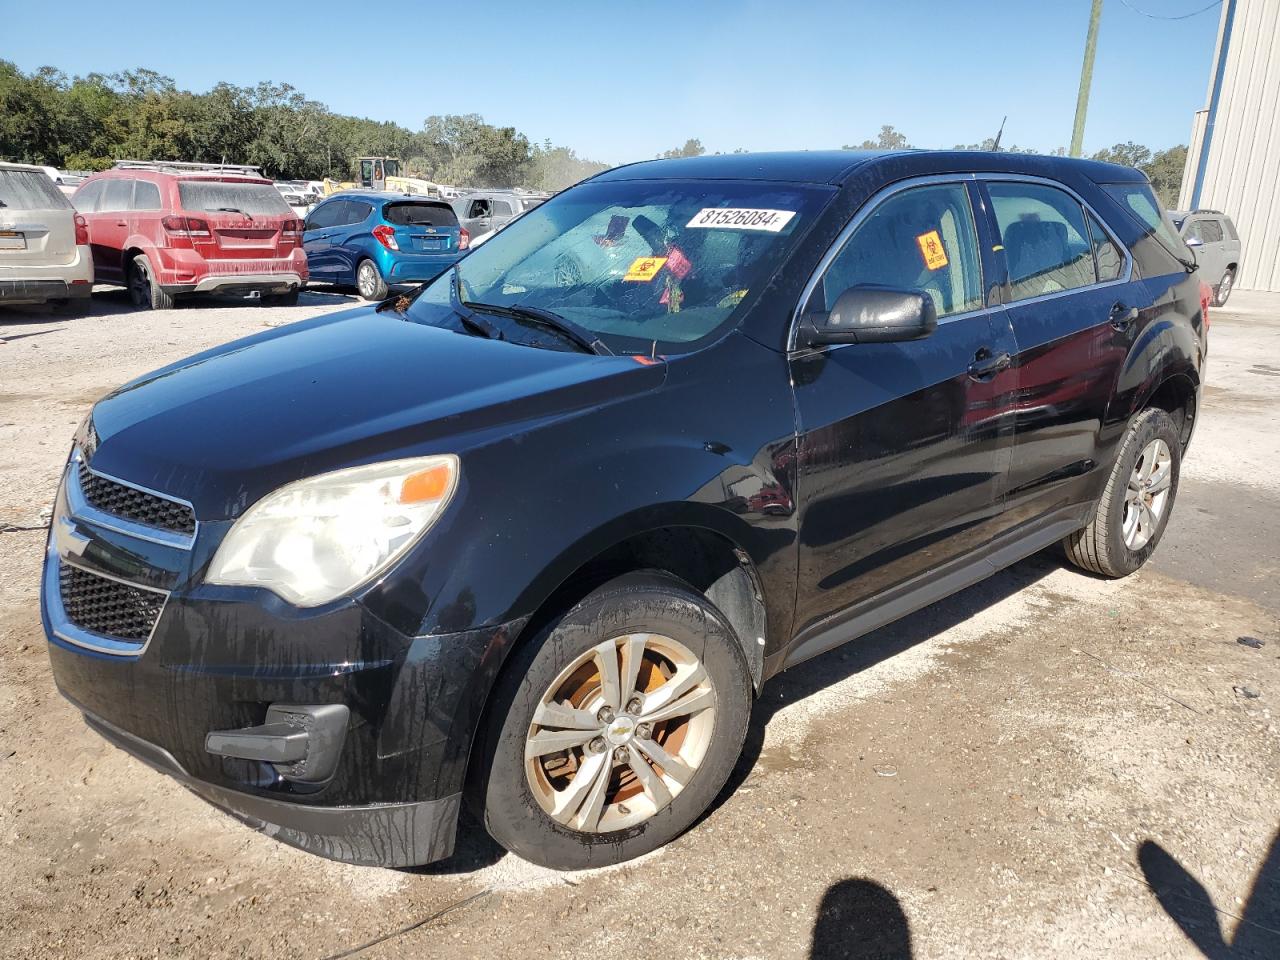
(1122, 316)
(986, 365)
(122, 223)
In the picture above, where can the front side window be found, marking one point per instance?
(921, 239)
(325, 215)
(479, 208)
(1045, 239)
(86, 199)
(635, 262)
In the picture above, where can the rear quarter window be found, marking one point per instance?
(30, 190)
(420, 214)
(211, 196)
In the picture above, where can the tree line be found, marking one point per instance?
(87, 123)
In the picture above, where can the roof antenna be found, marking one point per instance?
(995, 147)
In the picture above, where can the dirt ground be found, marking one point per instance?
(1046, 765)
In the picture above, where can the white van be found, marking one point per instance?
(44, 243)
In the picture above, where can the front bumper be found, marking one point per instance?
(218, 659)
(382, 835)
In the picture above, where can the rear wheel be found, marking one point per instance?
(1135, 505)
(1223, 289)
(615, 729)
(144, 289)
(369, 282)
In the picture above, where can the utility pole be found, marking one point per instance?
(1086, 78)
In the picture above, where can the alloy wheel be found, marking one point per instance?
(619, 733)
(367, 280)
(1146, 496)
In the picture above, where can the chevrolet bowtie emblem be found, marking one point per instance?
(67, 540)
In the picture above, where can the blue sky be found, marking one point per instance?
(620, 82)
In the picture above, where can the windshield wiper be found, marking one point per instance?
(470, 319)
(233, 210)
(583, 338)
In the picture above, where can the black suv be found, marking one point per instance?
(535, 535)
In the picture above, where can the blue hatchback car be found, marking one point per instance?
(368, 240)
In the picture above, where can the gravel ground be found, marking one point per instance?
(1045, 765)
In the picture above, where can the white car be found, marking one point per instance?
(44, 243)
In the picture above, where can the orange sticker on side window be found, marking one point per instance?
(930, 244)
(644, 269)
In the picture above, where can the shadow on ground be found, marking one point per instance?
(860, 920)
(1189, 905)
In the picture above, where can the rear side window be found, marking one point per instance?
(1108, 257)
(921, 239)
(501, 208)
(1138, 199)
(353, 211)
(420, 214)
(212, 196)
(146, 196)
(1210, 231)
(1229, 229)
(1045, 239)
(116, 196)
(30, 190)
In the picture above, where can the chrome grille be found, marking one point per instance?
(107, 607)
(133, 504)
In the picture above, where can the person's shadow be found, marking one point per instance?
(1188, 903)
(860, 920)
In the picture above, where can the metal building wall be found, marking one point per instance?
(1234, 160)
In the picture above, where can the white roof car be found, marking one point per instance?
(44, 243)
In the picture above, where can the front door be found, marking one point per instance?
(1073, 309)
(317, 240)
(904, 447)
(109, 228)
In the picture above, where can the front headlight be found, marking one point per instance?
(317, 539)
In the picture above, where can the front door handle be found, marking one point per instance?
(1122, 316)
(986, 365)
(122, 223)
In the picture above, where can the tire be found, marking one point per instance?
(369, 282)
(664, 616)
(289, 299)
(1121, 538)
(1223, 290)
(144, 291)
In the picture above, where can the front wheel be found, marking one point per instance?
(1135, 505)
(1223, 290)
(615, 728)
(369, 282)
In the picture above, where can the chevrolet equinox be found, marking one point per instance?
(534, 536)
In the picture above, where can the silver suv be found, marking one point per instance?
(44, 243)
(1212, 237)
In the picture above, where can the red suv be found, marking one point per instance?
(165, 229)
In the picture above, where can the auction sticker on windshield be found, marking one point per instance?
(741, 218)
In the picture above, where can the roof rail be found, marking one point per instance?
(1207, 210)
(176, 166)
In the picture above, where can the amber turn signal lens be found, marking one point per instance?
(426, 485)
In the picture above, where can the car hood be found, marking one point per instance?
(225, 427)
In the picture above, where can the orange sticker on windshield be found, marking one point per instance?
(931, 249)
(644, 269)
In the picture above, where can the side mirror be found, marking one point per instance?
(866, 314)
(1194, 242)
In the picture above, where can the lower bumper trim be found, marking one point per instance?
(378, 835)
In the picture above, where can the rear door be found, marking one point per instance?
(37, 222)
(502, 211)
(1073, 305)
(317, 239)
(904, 447)
(109, 228)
